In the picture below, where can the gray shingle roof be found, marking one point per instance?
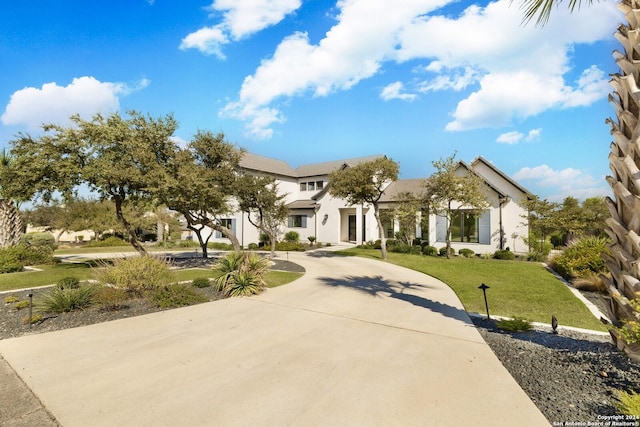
(318, 169)
(414, 186)
(259, 163)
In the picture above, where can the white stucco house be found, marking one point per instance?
(314, 212)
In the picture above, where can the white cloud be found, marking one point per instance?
(562, 183)
(52, 103)
(534, 134)
(394, 91)
(515, 71)
(207, 40)
(240, 18)
(515, 137)
(510, 137)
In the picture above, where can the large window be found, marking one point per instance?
(464, 227)
(297, 221)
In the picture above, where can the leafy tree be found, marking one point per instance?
(266, 210)
(623, 227)
(115, 157)
(594, 214)
(405, 210)
(448, 192)
(365, 183)
(199, 184)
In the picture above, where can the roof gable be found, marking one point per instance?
(480, 161)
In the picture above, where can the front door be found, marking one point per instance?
(352, 229)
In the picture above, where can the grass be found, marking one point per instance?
(51, 274)
(524, 289)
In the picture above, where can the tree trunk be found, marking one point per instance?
(624, 224)
(10, 224)
(229, 235)
(383, 238)
(133, 239)
(203, 243)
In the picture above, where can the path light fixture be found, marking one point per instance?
(30, 309)
(554, 323)
(486, 304)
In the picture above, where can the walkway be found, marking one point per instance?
(355, 342)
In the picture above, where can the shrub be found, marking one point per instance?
(467, 253)
(311, 239)
(9, 261)
(68, 283)
(187, 244)
(135, 274)
(517, 324)
(628, 403)
(590, 283)
(11, 299)
(583, 257)
(220, 246)
(401, 248)
(176, 295)
(429, 250)
(630, 332)
(21, 304)
(253, 247)
(37, 317)
(59, 300)
(109, 241)
(291, 236)
(244, 283)
(110, 298)
(504, 254)
(290, 247)
(443, 251)
(201, 282)
(39, 239)
(556, 240)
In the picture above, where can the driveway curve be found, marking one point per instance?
(354, 342)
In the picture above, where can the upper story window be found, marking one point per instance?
(311, 185)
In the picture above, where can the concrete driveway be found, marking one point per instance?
(355, 342)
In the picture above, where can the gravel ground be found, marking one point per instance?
(572, 377)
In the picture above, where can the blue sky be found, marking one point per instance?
(313, 80)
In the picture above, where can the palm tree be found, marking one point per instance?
(10, 217)
(624, 159)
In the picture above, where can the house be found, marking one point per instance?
(313, 212)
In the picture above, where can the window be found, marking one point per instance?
(297, 221)
(386, 217)
(303, 186)
(464, 227)
(228, 223)
(311, 186)
(319, 185)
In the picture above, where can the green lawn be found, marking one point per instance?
(517, 288)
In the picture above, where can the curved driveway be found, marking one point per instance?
(355, 342)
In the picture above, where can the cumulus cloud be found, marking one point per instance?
(515, 137)
(240, 18)
(52, 103)
(562, 183)
(394, 91)
(514, 72)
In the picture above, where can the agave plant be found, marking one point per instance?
(242, 274)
